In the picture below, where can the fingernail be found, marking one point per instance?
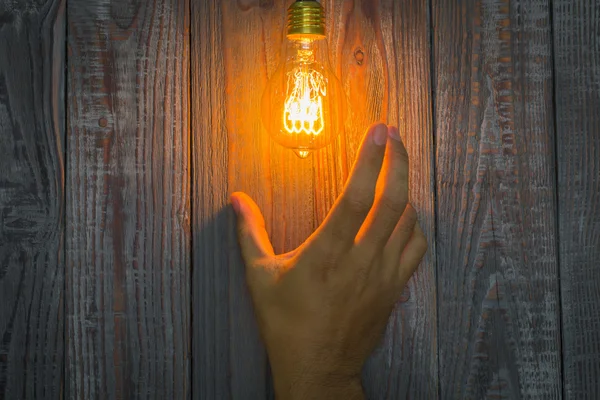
(380, 135)
(235, 203)
(394, 133)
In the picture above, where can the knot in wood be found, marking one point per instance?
(359, 56)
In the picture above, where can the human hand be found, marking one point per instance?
(323, 307)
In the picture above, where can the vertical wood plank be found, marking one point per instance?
(385, 63)
(381, 52)
(231, 152)
(496, 225)
(32, 43)
(128, 234)
(577, 77)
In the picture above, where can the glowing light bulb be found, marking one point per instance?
(302, 106)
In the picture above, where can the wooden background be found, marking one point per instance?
(125, 125)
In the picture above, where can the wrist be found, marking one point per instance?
(316, 387)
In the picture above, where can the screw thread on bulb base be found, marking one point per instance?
(306, 19)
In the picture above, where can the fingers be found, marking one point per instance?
(348, 213)
(412, 255)
(391, 199)
(253, 238)
(398, 240)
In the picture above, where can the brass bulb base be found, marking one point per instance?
(306, 19)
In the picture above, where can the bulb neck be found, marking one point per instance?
(306, 20)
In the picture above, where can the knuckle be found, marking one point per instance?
(358, 200)
(338, 235)
(243, 231)
(407, 223)
(406, 228)
(362, 260)
(324, 247)
(394, 199)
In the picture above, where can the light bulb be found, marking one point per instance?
(303, 102)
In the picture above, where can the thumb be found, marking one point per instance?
(252, 236)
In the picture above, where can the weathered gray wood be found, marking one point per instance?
(32, 43)
(577, 77)
(128, 190)
(496, 226)
(381, 52)
(230, 153)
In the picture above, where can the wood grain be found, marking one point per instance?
(496, 226)
(32, 44)
(230, 153)
(381, 52)
(385, 63)
(128, 231)
(577, 77)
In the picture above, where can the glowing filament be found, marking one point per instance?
(303, 111)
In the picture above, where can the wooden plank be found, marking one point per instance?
(128, 189)
(230, 153)
(381, 52)
(496, 225)
(385, 61)
(577, 77)
(32, 44)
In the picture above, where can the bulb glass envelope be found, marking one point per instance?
(302, 106)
